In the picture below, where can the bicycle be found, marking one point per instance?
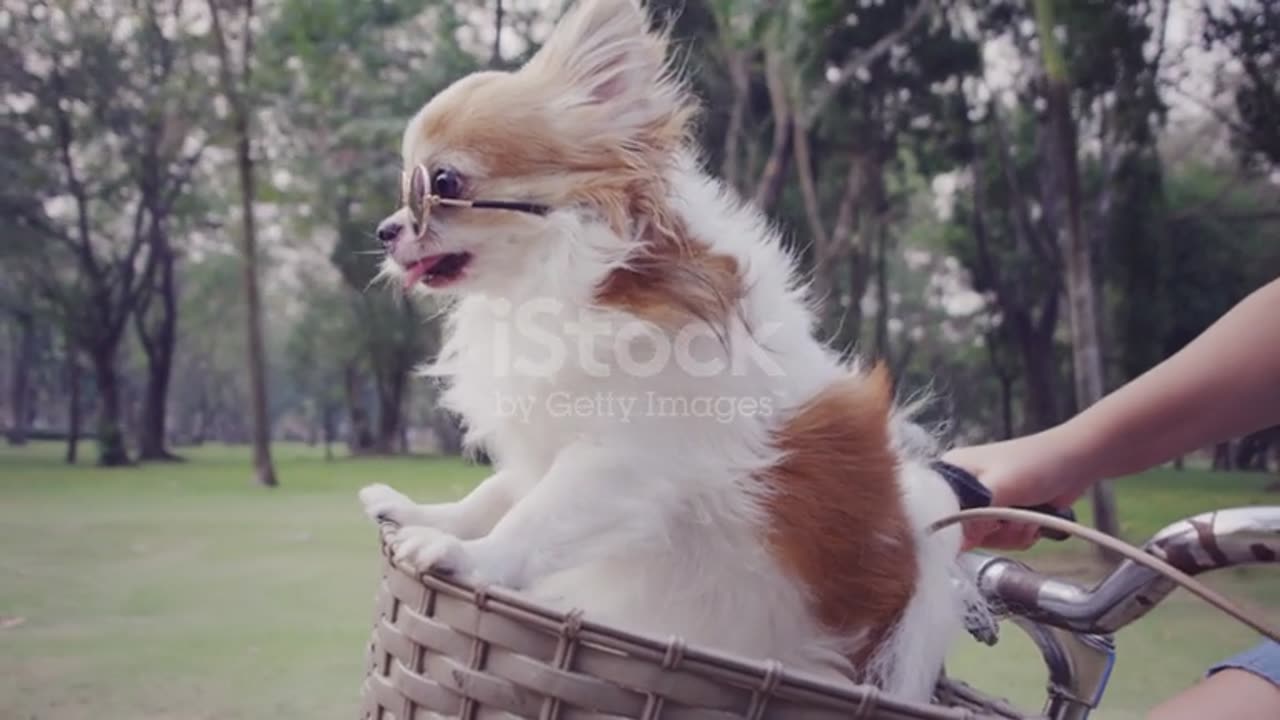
(440, 648)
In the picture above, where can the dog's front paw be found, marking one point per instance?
(385, 504)
(480, 562)
(424, 549)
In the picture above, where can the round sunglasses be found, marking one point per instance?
(422, 196)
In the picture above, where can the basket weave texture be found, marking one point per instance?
(441, 648)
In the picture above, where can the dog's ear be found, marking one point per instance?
(608, 68)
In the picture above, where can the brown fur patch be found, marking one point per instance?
(674, 282)
(837, 518)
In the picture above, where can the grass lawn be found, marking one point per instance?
(182, 591)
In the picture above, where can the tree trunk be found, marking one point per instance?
(1254, 449)
(266, 473)
(1006, 407)
(158, 344)
(1006, 379)
(111, 447)
(151, 436)
(390, 412)
(495, 59)
(769, 188)
(739, 65)
(448, 431)
(1222, 456)
(858, 269)
(360, 438)
(326, 415)
(880, 244)
(236, 93)
(73, 404)
(201, 429)
(20, 389)
(1064, 168)
(1040, 407)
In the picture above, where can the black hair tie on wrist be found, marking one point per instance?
(973, 494)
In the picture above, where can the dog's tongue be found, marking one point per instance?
(415, 272)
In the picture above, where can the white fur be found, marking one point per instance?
(650, 522)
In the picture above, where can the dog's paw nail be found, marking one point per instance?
(423, 549)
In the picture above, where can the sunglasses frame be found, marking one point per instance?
(419, 200)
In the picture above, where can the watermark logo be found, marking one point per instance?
(627, 408)
(540, 338)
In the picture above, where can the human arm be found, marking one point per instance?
(1223, 384)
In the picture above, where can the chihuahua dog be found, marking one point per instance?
(675, 452)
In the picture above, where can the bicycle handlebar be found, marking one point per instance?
(1206, 542)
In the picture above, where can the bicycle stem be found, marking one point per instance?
(1079, 662)
(1079, 666)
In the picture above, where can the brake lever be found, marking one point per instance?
(973, 494)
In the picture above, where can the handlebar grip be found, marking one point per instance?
(1046, 509)
(972, 493)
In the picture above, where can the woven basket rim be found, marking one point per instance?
(765, 676)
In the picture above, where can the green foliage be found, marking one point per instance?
(335, 82)
(209, 384)
(1250, 33)
(1216, 254)
(322, 343)
(345, 76)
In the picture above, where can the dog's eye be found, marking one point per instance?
(446, 183)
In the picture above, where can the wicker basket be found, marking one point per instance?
(443, 649)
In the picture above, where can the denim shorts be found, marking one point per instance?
(1262, 660)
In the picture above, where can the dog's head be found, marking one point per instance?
(579, 138)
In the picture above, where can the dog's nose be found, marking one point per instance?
(389, 231)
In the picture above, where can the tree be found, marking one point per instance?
(828, 94)
(99, 134)
(345, 86)
(1081, 291)
(1012, 255)
(1250, 33)
(24, 343)
(167, 146)
(74, 402)
(31, 317)
(210, 389)
(236, 86)
(319, 350)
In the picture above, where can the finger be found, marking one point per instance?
(1012, 536)
(977, 531)
(1027, 535)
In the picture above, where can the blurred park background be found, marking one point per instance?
(1018, 204)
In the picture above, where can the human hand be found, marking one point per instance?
(1026, 471)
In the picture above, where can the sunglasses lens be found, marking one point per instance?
(417, 201)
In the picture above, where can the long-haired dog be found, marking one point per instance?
(675, 453)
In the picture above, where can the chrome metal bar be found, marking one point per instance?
(1079, 666)
(1211, 541)
(1072, 625)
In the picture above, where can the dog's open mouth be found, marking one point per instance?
(436, 270)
